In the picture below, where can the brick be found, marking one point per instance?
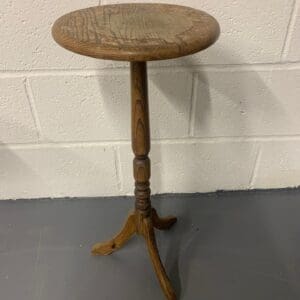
(194, 167)
(279, 165)
(170, 96)
(17, 125)
(230, 103)
(252, 31)
(79, 108)
(57, 172)
(282, 106)
(25, 30)
(245, 103)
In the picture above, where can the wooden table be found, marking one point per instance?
(138, 33)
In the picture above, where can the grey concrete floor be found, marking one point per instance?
(239, 245)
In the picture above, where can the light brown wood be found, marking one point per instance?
(140, 129)
(119, 240)
(141, 165)
(162, 223)
(162, 276)
(145, 218)
(143, 225)
(136, 32)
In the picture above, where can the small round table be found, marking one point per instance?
(138, 33)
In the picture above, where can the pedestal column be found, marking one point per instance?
(140, 137)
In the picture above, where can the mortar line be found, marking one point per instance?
(34, 113)
(289, 32)
(192, 113)
(269, 77)
(174, 141)
(255, 168)
(152, 70)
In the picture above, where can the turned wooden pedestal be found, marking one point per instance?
(144, 219)
(138, 33)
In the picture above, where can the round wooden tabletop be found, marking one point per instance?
(136, 32)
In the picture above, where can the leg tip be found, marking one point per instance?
(102, 249)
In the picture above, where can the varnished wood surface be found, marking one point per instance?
(145, 219)
(140, 137)
(107, 248)
(136, 32)
(138, 223)
(162, 223)
(160, 271)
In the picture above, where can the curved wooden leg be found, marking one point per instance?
(148, 233)
(119, 240)
(162, 223)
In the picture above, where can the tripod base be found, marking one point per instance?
(137, 223)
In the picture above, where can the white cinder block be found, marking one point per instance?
(170, 95)
(293, 53)
(252, 31)
(194, 167)
(25, 30)
(79, 108)
(282, 104)
(279, 165)
(245, 103)
(82, 108)
(57, 172)
(230, 103)
(16, 122)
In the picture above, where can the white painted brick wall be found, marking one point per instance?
(58, 171)
(195, 166)
(226, 118)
